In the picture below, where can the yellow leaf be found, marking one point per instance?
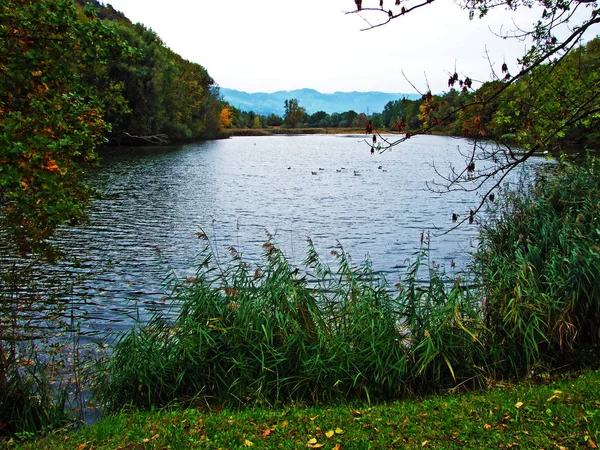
(312, 441)
(312, 419)
(284, 424)
(552, 398)
(337, 447)
(330, 434)
(518, 405)
(248, 443)
(339, 431)
(424, 443)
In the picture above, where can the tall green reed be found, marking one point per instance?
(539, 262)
(271, 334)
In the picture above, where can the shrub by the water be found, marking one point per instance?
(539, 262)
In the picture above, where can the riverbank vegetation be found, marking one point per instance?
(271, 334)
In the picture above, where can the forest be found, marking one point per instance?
(82, 75)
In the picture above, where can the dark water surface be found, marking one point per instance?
(327, 187)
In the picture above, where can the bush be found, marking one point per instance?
(539, 262)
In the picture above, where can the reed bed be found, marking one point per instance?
(271, 334)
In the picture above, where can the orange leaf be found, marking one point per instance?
(356, 413)
(337, 447)
(267, 432)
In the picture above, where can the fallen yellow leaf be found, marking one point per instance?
(284, 424)
(552, 398)
(330, 434)
(248, 443)
(312, 419)
(424, 443)
(518, 405)
(339, 431)
(337, 447)
(312, 441)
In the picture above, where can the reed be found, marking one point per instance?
(539, 263)
(270, 334)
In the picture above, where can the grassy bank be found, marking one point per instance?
(562, 414)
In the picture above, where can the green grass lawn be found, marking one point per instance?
(559, 414)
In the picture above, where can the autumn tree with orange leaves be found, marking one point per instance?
(50, 119)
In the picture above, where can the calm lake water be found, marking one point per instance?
(329, 188)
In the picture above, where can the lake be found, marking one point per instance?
(330, 188)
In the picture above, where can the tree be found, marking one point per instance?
(51, 119)
(542, 103)
(294, 113)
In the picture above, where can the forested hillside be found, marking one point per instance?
(75, 75)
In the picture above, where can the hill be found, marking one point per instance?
(313, 101)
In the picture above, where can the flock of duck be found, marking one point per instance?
(355, 172)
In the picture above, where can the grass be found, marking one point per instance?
(562, 414)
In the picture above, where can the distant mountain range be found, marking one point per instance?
(313, 101)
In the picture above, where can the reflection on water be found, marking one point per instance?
(144, 227)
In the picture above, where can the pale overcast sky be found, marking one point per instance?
(271, 45)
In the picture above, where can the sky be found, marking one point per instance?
(273, 45)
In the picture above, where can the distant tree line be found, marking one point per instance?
(514, 116)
